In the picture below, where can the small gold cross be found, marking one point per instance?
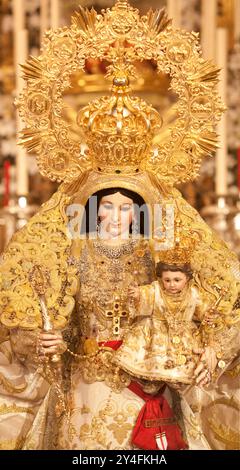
(116, 313)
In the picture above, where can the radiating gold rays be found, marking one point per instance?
(31, 139)
(207, 142)
(158, 20)
(206, 72)
(85, 19)
(33, 69)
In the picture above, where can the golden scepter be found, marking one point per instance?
(210, 316)
(39, 280)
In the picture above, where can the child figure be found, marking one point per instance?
(165, 343)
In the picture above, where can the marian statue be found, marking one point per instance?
(119, 307)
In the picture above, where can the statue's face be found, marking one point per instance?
(116, 215)
(174, 282)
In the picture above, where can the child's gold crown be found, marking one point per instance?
(184, 245)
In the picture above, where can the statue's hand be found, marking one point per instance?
(50, 343)
(211, 317)
(206, 366)
(134, 293)
(179, 386)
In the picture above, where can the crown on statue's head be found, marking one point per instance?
(121, 132)
(119, 129)
(181, 253)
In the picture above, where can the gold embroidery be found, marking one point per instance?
(121, 419)
(94, 435)
(9, 387)
(224, 401)
(4, 409)
(225, 434)
(120, 431)
(101, 278)
(5, 351)
(234, 372)
(193, 428)
(13, 444)
(43, 238)
(72, 432)
(111, 426)
(103, 369)
(85, 410)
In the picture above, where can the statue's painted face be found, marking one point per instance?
(174, 281)
(116, 215)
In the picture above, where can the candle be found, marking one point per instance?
(44, 17)
(237, 20)
(18, 17)
(55, 14)
(174, 12)
(21, 49)
(21, 155)
(221, 155)
(208, 28)
(20, 57)
(6, 179)
(238, 169)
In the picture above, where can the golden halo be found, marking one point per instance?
(177, 157)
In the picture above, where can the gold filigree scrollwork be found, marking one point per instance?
(41, 242)
(121, 36)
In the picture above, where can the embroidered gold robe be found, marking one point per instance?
(101, 410)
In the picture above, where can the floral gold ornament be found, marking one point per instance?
(41, 241)
(122, 132)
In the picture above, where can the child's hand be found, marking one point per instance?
(134, 293)
(211, 317)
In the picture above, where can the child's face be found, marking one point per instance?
(174, 281)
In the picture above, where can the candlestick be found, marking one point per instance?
(208, 28)
(221, 155)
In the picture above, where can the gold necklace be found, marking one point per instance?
(176, 303)
(114, 252)
(176, 326)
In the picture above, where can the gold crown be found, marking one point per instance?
(119, 129)
(182, 252)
